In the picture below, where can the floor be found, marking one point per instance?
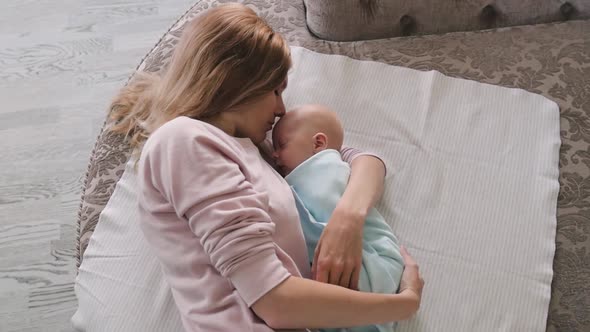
(60, 63)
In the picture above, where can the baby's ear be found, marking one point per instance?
(320, 142)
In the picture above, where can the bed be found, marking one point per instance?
(551, 59)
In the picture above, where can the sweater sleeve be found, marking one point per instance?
(349, 154)
(204, 180)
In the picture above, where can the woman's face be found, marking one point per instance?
(258, 117)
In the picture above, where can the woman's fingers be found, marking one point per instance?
(346, 277)
(354, 281)
(321, 275)
(408, 260)
(335, 271)
(411, 278)
(334, 277)
(314, 263)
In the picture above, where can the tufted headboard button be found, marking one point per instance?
(567, 10)
(407, 25)
(488, 15)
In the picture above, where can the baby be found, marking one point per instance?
(307, 141)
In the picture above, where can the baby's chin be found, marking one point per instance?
(283, 171)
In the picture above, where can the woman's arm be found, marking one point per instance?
(302, 303)
(338, 255)
(196, 172)
(365, 186)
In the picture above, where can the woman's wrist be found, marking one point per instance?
(411, 294)
(352, 210)
(352, 218)
(408, 299)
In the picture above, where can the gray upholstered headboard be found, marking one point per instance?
(346, 20)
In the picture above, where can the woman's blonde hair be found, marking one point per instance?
(226, 57)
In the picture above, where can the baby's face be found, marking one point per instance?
(292, 145)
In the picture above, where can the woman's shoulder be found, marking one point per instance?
(186, 133)
(184, 129)
(183, 126)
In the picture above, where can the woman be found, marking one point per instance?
(221, 220)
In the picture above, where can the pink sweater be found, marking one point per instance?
(221, 221)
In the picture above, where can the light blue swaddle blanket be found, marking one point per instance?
(318, 184)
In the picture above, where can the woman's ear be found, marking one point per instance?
(320, 142)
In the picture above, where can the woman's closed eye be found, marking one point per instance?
(281, 88)
(277, 146)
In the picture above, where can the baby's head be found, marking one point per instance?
(303, 132)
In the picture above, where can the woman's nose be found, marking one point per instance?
(280, 108)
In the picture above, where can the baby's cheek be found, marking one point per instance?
(291, 162)
(300, 158)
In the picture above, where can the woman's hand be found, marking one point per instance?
(411, 280)
(338, 255)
